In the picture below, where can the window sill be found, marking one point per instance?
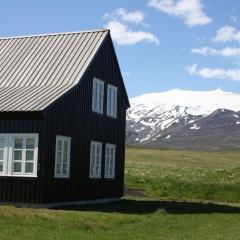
(100, 113)
(111, 116)
(61, 177)
(109, 178)
(19, 175)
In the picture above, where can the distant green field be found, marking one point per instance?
(176, 185)
(185, 175)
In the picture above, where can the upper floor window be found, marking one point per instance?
(62, 158)
(97, 96)
(18, 154)
(95, 159)
(112, 101)
(110, 160)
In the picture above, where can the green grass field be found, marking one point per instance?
(185, 175)
(172, 194)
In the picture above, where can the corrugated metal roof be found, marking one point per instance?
(36, 70)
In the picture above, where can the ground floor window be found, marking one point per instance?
(18, 154)
(110, 160)
(62, 158)
(95, 159)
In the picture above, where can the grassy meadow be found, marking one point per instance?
(185, 175)
(174, 195)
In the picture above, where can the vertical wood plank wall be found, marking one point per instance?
(73, 117)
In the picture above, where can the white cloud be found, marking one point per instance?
(218, 73)
(135, 17)
(225, 52)
(123, 35)
(123, 15)
(119, 22)
(227, 34)
(191, 11)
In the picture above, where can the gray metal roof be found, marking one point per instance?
(36, 70)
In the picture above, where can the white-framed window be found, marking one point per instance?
(97, 96)
(62, 157)
(110, 153)
(18, 154)
(95, 159)
(112, 101)
(3, 155)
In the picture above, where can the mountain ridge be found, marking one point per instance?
(158, 119)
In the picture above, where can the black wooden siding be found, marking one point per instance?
(20, 189)
(72, 116)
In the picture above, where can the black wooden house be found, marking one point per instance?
(62, 118)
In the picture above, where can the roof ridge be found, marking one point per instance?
(53, 34)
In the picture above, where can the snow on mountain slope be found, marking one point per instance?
(152, 115)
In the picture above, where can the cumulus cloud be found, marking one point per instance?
(218, 73)
(133, 17)
(225, 52)
(120, 21)
(227, 34)
(123, 35)
(191, 11)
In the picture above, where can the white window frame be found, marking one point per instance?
(112, 101)
(5, 156)
(62, 139)
(107, 172)
(95, 101)
(9, 150)
(95, 174)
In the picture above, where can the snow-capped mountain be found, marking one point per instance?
(169, 118)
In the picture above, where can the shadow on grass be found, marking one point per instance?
(129, 206)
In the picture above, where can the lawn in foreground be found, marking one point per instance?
(185, 175)
(163, 175)
(129, 219)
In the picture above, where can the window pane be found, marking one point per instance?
(30, 143)
(17, 155)
(1, 143)
(107, 162)
(59, 145)
(65, 146)
(97, 165)
(29, 168)
(92, 170)
(111, 152)
(1, 166)
(58, 168)
(29, 155)
(111, 164)
(97, 99)
(92, 161)
(17, 167)
(18, 143)
(59, 156)
(93, 150)
(1, 154)
(97, 171)
(65, 157)
(107, 166)
(97, 150)
(64, 169)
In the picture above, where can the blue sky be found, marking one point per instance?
(161, 44)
